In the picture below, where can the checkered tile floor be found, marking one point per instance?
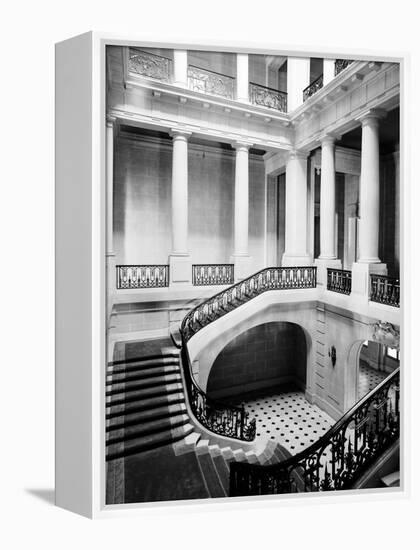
(286, 417)
(369, 378)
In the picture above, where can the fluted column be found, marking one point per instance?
(240, 256)
(327, 201)
(242, 78)
(296, 244)
(328, 70)
(369, 189)
(298, 73)
(181, 68)
(179, 260)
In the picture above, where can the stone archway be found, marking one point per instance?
(267, 355)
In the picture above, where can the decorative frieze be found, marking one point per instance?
(209, 82)
(149, 65)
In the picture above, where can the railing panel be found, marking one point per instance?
(149, 65)
(142, 276)
(213, 274)
(209, 82)
(339, 280)
(268, 97)
(338, 458)
(313, 87)
(385, 290)
(340, 65)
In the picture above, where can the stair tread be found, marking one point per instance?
(150, 403)
(137, 374)
(147, 428)
(148, 442)
(139, 395)
(211, 476)
(129, 385)
(146, 415)
(142, 364)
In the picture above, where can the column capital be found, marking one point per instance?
(328, 139)
(180, 133)
(241, 145)
(294, 154)
(371, 117)
(110, 121)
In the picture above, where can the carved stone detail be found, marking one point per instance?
(385, 333)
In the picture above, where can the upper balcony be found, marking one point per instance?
(200, 78)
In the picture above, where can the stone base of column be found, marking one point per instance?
(322, 266)
(293, 260)
(180, 270)
(243, 267)
(111, 284)
(360, 278)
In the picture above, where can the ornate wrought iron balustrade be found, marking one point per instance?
(215, 415)
(142, 276)
(385, 290)
(149, 65)
(313, 87)
(338, 459)
(268, 97)
(271, 278)
(209, 82)
(340, 65)
(212, 274)
(339, 280)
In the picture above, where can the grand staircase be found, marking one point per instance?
(146, 410)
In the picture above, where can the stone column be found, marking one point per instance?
(241, 257)
(328, 255)
(296, 246)
(179, 259)
(242, 78)
(397, 206)
(298, 73)
(368, 261)
(110, 254)
(328, 70)
(181, 68)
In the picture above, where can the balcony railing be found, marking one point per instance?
(149, 65)
(142, 276)
(385, 290)
(340, 65)
(217, 416)
(212, 274)
(313, 87)
(267, 97)
(209, 82)
(339, 280)
(339, 458)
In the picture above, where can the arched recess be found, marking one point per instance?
(208, 343)
(262, 357)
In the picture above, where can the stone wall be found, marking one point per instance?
(261, 357)
(142, 202)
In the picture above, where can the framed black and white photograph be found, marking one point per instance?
(239, 312)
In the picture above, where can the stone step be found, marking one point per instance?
(143, 394)
(146, 416)
(146, 428)
(142, 364)
(210, 475)
(391, 480)
(148, 442)
(145, 404)
(138, 374)
(222, 470)
(154, 381)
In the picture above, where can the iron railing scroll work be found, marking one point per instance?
(217, 416)
(142, 276)
(339, 458)
(267, 97)
(149, 64)
(339, 280)
(385, 290)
